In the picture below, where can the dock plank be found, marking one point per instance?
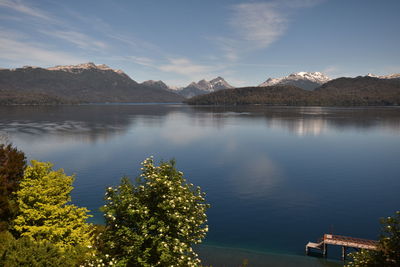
(344, 242)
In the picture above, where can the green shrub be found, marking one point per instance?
(156, 221)
(26, 252)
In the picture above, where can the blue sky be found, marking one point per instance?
(245, 42)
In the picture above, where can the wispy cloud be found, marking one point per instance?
(185, 67)
(144, 61)
(77, 38)
(21, 7)
(16, 49)
(330, 70)
(68, 28)
(229, 47)
(299, 3)
(50, 25)
(110, 33)
(259, 23)
(132, 42)
(334, 71)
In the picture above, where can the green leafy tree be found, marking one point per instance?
(29, 253)
(12, 165)
(388, 253)
(45, 214)
(155, 221)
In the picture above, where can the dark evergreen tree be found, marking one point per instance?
(12, 166)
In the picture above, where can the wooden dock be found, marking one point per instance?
(344, 241)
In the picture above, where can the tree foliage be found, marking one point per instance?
(390, 239)
(388, 253)
(12, 165)
(45, 214)
(155, 221)
(29, 253)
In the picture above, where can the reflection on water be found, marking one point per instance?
(301, 126)
(94, 122)
(97, 122)
(276, 177)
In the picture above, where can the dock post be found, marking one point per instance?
(343, 253)
(325, 250)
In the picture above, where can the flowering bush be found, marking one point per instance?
(155, 221)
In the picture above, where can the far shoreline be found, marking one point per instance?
(197, 105)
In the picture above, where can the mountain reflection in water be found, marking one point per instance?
(97, 122)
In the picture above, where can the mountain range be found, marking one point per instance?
(204, 87)
(83, 83)
(91, 83)
(358, 91)
(193, 89)
(304, 80)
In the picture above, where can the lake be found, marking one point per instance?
(276, 177)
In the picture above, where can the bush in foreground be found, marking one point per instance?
(155, 221)
(30, 253)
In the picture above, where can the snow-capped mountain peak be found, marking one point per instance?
(312, 76)
(210, 86)
(389, 76)
(85, 66)
(305, 80)
(219, 83)
(204, 87)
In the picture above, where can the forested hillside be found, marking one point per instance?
(85, 83)
(359, 91)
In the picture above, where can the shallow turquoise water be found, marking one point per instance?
(222, 256)
(276, 177)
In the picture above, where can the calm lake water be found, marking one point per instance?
(276, 177)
